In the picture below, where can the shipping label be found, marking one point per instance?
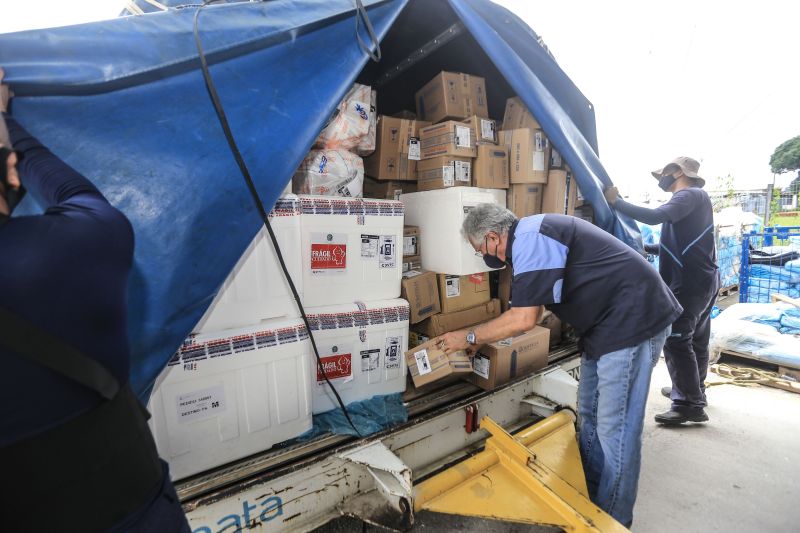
(370, 360)
(463, 137)
(201, 404)
(452, 286)
(555, 159)
(393, 352)
(463, 170)
(397, 193)
(539, 152)
(414, 149)
(423, 363)
(328, 253)
(388, 251)
(369, 246)
(410, 245)
(447, 176)
(488, 130)
(480, 365)
(337, 366)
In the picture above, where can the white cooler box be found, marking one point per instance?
(361, 346)
(439, 215)
(226, 396)
(352, 249)
(257, 289)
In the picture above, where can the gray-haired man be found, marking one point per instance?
(619, 306)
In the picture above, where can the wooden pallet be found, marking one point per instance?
(727, 291)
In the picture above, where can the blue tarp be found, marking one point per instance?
(123, 101)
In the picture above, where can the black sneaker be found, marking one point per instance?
(666, 391)
(674, 418)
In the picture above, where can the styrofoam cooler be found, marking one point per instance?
(361, 346)
(439, 215)
(352, 249)
(226, 396)
(256, 289)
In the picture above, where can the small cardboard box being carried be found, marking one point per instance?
(396, 149)
(419, 289)
(528, 155)
(525, 199)
(446, 322)
(447, 138)
(560, 194)
(500, 362)
(517, 115)
(462, 292)
(427, 363)
(387, 190)
(411, 244)
(490, 169)
(444, 172)
(452, 95)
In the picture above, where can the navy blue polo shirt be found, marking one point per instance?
(588, 278)
(687, 258)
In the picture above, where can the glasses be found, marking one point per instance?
(478, 253)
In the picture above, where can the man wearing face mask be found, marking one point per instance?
(618, 305)
(74, 439)
(687, 263)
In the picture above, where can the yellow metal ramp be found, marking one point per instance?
(534, 478)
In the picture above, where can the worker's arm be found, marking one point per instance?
(642, 214)
(513, 322)
(47, 177)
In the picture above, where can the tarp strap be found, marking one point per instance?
(362, 14)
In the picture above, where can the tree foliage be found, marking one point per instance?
(786, 156)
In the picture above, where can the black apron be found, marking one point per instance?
(86, 474)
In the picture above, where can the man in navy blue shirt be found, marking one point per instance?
(73, 438)
(687, 263)
(618, 305)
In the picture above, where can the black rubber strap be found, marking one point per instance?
(30, 341)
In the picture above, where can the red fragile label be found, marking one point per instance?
(325, 256)
(477, 279)
(336, 366)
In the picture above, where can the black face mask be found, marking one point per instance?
(492, 261)
(665, 182)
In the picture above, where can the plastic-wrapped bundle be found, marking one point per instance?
(729, 257)
(367, 144)
(762, 293)
(350, 123)
(793, 266)
(775, 273)
(330, 173)
(759, 340)
(651, 235)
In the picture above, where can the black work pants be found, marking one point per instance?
(686, 350)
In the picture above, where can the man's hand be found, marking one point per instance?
(5, 93)
(612, 195)
(453, 341)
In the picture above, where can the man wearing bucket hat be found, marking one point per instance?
(688, 265)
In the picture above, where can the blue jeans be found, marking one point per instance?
(611, 401)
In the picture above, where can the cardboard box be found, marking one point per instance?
(490, 169)
(560, 194)
(484, 130)
(517, 115)
(529, 155)
(500, 362)
(444, 172)
(411, 242)
(412, 263)
(462, 292)
(396, 149)
(525, 199)
(419, 289)
(447, 138)
(388, 190)
(427, 363)
(553, 324)
(452, 95)
(446, 322)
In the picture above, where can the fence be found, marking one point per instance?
(770, 264)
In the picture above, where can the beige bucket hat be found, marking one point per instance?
(687, 165)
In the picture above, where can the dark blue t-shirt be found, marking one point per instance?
(590, 279)
(687, 258)
(65, 271)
